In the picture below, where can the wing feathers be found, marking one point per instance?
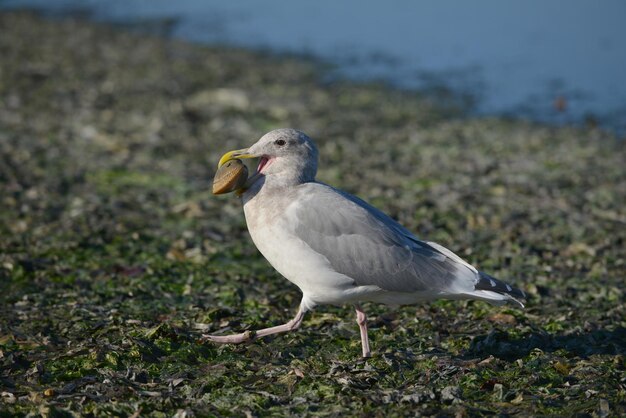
(373, 249)
(368, 246)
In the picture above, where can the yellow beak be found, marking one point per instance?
(240, 153)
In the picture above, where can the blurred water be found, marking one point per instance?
(556, 61)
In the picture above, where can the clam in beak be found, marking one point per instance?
(232, 174)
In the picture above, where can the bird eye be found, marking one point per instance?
(280, 142)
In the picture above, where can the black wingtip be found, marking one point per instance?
(487, 282)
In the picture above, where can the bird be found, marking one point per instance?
(338, 249)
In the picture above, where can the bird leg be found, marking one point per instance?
(252, 335)
(361, 319)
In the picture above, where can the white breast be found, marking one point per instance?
(273, 235)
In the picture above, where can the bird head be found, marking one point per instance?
(286, 156)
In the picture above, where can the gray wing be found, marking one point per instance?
(365, 244)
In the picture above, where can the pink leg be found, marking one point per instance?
(361, 319)
(252, 335)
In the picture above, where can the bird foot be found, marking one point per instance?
(230, 339)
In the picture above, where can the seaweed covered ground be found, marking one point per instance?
(115, 257)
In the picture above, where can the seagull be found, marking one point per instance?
(337, 248)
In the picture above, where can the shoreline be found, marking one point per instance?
(446, 87)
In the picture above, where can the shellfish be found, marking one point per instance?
(231, 176)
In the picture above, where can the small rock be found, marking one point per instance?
(604, 408)
(8, 397)
(502, 318)
(205, 102)
(450, 394)
(184, 413)
(411, 398)
(518, 399)
(498, 391)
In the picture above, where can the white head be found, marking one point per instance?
(287, 157)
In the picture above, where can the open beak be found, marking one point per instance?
(240, 153)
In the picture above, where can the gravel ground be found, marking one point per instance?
(115, 257)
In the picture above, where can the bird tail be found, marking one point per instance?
(492, 290)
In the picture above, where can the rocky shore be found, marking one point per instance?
(115, 257)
